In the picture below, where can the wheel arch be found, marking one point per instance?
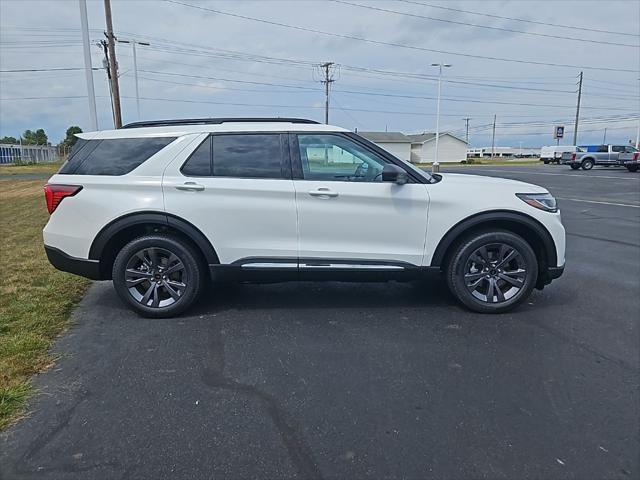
(521, 224)
(120, 231)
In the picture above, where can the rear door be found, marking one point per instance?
(347, 216)
(237, 190)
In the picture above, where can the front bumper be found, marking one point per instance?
(78, 266)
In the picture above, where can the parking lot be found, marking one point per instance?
(339, 380)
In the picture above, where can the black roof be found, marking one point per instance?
(213, 121)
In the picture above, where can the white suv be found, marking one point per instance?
(163, 207)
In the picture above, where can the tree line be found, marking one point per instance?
(39, 137)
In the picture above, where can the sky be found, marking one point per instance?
(517, 60)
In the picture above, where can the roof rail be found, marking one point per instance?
(213, 121)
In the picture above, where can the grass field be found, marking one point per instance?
(44, 168)
(35, 299)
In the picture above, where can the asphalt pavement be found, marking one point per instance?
(339, 380)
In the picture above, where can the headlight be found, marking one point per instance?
(541, 201)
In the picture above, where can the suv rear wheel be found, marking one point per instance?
(158, 276)
(492, 272)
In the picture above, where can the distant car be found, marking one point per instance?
(630, 159)
(553, 154)
(607, 155)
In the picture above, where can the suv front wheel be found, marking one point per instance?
(492, 272)
(158, 276)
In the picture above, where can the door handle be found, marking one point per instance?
(190, 187)
(323, 192)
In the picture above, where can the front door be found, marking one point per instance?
(347, 216)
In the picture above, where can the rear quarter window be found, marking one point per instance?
(117, 156)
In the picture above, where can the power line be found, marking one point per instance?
(475, 25)
(546, 24)
(22, 70)
(393, 44)
(391, 95)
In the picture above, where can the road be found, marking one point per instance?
(335, 380)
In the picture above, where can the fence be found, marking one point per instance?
(30, 153)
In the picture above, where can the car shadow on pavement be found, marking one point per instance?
(325, 295)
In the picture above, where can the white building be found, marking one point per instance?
(451, 149)
(501, 152)
(420, 148)
(393, 142)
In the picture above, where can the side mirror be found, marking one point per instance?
(395, 174)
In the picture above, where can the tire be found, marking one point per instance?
(575, 167)
(632, 168)
(152, 291)
(474, 267)
(546, 162)
(587, 164)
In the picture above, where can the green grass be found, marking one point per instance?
(35, 299)
(48, 168)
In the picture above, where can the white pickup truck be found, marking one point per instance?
(606, 155)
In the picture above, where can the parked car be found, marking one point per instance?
(630, 159)
(160, 208)
(607, 155)
(553, 154)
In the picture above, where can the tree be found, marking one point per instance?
(28, 138)
(39, 137)
(10, 140)
(70, 138)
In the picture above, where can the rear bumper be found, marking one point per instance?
(78, 266)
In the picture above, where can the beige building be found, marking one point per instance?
(451, 149)
(420, 148)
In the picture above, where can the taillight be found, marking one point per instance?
(55, 193)
(573, 156)
(636, 155)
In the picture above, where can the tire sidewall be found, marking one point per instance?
(193, 270)
(587, 164)
(455, 270)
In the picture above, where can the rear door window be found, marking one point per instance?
(199, 163)
(258, 155)
(117, 156)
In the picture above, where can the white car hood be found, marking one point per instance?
(476, 182)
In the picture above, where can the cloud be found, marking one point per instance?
(200, 49)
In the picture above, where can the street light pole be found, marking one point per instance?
(436, 165)
(88, 70)
(133, 43)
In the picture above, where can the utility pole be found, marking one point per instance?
(466, 121)
(493, 139)
(638, 128)
(604, 139)
(575, 128)
(113, 65)
(88, 70)
(328, 80)
(133, 43)
(105, 62)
